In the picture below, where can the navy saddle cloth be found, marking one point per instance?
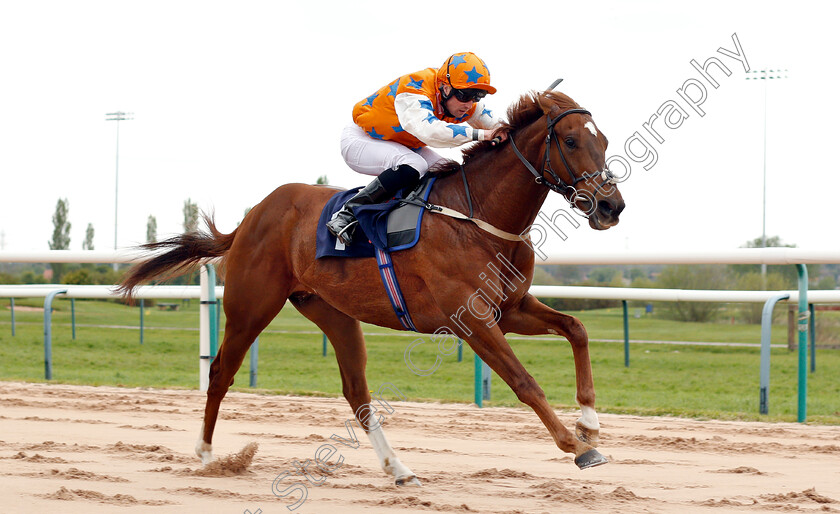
(390, 226)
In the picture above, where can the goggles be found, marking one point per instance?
(468, 95)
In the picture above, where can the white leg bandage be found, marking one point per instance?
(387, 458)
(589, 418)
(202, 449)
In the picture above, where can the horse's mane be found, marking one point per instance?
(520, 114)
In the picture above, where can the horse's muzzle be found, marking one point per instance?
(606, 213)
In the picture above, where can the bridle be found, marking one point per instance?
(559, 185)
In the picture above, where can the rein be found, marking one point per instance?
(559, 185)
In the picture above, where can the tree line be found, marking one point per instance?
(736, 277)
(84, 274)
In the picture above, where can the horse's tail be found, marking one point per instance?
(182, 254)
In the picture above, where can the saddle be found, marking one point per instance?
(390, 226)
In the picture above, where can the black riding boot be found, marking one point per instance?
(343, 223)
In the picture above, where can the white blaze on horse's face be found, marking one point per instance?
(591, 127)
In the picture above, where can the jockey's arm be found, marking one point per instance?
(484, 118)
(417, 117)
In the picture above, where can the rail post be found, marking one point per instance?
(764, 367)
(205, 329)
(478, 371)
(802, 325)
(482, 381)
(218, 316)
(73, 316)
(142, 306)
(255, 347)
(486, 375)
(626, 335)
(211, 301)
(812, 332)
(13, 316)
(48, 331)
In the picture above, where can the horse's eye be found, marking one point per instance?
(570, 142)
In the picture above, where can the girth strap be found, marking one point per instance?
(392, 288)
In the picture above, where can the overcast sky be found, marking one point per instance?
(233, 99)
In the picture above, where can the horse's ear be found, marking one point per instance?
(545, 103)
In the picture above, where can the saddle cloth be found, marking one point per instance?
(390, 226)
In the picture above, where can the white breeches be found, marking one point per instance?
(370, 156)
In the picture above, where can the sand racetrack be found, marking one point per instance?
(103, 449)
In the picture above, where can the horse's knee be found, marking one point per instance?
(576, 333)
(218, 388)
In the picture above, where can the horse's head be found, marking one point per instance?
(574, 160)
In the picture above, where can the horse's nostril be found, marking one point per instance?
(606, 208)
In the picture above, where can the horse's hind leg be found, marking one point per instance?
(345, 334)
(247, 313)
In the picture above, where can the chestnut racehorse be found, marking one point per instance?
(270, 258)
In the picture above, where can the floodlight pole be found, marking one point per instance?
(118, 117)
(765, 75)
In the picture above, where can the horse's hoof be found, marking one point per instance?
(590, 459)
(587, 435)
(408, 480)
(204, 451)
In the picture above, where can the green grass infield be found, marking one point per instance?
(688, 380)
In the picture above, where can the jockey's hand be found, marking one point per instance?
(499, 135)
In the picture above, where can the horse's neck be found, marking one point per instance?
(503, 191)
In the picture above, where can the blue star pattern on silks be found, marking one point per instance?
(413, 83)
(457, 59)
(473, 75)
(487, 112)
(372, 133)
(398, 128)
(431, 118)
(457, 130)
(393, 87)
(370, 99)
(427, 104)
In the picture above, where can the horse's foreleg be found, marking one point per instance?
(490, 345)
(345, 335)
(535, 318)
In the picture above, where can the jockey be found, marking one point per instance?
(392, 128)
